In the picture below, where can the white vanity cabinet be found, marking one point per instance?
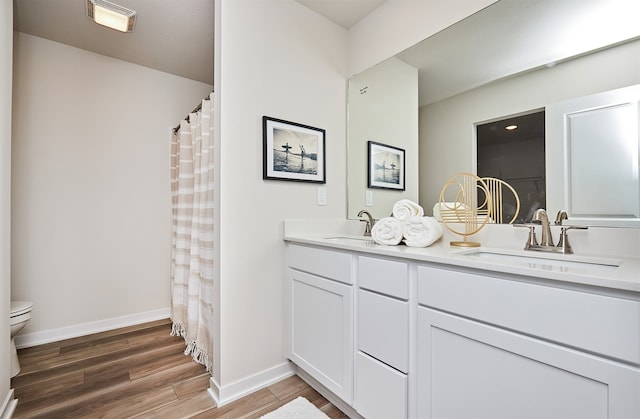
(397, 337)
(347, 309)
(320, 306)
(501, 348)
(382, 360)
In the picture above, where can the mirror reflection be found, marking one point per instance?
(523, 56)
(383, 108)
(593, 148)
(512, 149)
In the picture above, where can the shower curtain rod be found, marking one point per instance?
(196, 109)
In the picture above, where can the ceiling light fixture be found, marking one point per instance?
(111, 15)
(511, 127)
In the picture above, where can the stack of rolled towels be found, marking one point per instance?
(408, 225)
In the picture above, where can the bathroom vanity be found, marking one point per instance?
(399, 332)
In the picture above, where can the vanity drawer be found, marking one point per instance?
(381, 391)
(321, 262)
(596, 323)
(384, 276)
(383, 329)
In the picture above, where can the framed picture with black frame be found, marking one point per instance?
(293, 151)
(386, 166)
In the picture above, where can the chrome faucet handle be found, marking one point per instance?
(562, 215)
(531, 240)
(563, 243)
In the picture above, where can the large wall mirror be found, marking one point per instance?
(383, 108)
(511, 58)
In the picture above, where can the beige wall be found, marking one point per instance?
(447, 127)
(6, 40)
(91, 194)
(282, 60)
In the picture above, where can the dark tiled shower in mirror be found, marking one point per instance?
(512, 149)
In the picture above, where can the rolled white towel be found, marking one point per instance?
(387, 230)
(405, 209)
(421, 231)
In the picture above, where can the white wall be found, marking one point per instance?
(279, 59)
(6, 46)
(447, 127)
(398, 25)
(91, 193)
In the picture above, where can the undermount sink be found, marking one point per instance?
(545, 261)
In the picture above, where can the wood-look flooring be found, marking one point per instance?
(138, 371)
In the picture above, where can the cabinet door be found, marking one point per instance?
(321, 332)
(469, 369)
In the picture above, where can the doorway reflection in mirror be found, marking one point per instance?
(515, 155)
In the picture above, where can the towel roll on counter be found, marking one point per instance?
(407, 225)
(405, 209)
(387, 231)
(421, 231)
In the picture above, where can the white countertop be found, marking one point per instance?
(622, 246)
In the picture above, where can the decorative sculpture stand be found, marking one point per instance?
(459, 207)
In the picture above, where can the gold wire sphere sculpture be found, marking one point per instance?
(460, 211)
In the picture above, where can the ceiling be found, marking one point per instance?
(529, 127)
(176, 36)
(345, 13)
(173, 36)
(514, 36)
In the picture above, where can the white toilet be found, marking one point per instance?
(20, 315)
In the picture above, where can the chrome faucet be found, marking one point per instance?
(369, 222)
(541, 215)
(546, 244)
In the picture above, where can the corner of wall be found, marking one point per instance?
(6, 71)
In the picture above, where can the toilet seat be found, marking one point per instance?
(18, 308)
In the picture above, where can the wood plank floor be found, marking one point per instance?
(138, 371)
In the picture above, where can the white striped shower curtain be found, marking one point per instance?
(192, 272)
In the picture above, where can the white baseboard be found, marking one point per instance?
(8, 406)
(239, 389)
(38, 338)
